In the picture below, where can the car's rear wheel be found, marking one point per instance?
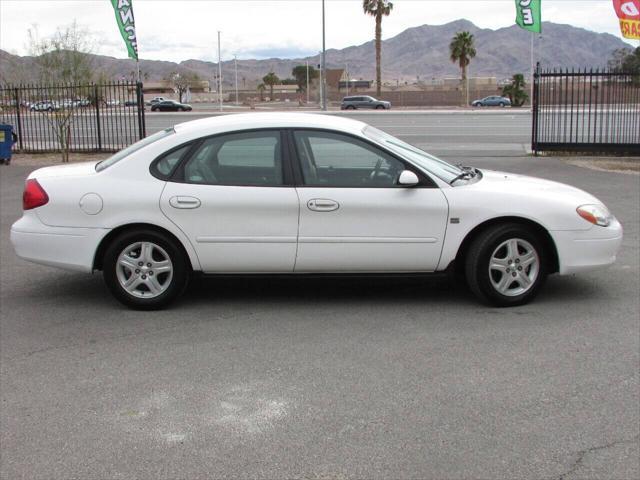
(145, 269)
(506, 265)
(350, 107)
(379, 107)
(502, 104)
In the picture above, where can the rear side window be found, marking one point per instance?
(241, 159)
(164, 166)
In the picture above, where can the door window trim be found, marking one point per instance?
(425, 180)
(177, 176)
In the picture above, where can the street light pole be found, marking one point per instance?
(307, 82)
(324, 62)
(235, 62)
(346, 69)
(219, 72)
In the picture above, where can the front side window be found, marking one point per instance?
(334, 160)
(242, 159)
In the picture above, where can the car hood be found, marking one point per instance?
(68, 170)
(533, 186)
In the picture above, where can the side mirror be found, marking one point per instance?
(408, 179)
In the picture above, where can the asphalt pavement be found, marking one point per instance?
(456, 133)
(325, 378)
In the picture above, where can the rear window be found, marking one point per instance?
(122, 154)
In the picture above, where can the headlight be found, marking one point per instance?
(596, 214)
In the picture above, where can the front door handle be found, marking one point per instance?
(323, 205)
(185, 202)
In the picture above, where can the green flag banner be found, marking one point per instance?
(127, 25)
(529, 15)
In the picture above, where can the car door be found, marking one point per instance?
(232, 199)
(354, 217)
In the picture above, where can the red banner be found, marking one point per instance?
(628, 12)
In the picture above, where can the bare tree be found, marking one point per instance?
(63, 63)
(182, 80)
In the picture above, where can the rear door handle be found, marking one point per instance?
(185, 202)
(322, 205)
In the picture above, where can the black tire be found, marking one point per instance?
(502, 104)
(175, 286)
(351, 107)
(379, 107)
(479, 254)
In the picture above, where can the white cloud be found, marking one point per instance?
(178, 30)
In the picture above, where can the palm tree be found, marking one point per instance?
(462, 50)
(271, 79)
(516, 90)
(378, 9)
(261, 89)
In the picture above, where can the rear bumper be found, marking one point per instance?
(67, 248)
(583, 251)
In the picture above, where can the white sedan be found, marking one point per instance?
(304, 194)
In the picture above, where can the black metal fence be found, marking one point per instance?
(94, 117)
(586, 111)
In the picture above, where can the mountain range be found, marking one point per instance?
(416, 53)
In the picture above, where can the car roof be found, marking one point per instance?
(248, 121)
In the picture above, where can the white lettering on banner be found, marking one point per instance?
(126, 16)
(525, 3)
(630, 9)
(123, 3)
(527, 16)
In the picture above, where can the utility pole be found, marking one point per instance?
(324, 62)
(219, 71)
(235, 62)
(346, 69)
(307, 81)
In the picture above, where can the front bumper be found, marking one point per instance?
(587, 250)
(67, 248)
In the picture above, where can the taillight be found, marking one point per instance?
(34, 195)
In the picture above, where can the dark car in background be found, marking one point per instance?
(492, 101)
(171, 106)
(355, 102)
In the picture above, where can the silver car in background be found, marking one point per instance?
(365, 101)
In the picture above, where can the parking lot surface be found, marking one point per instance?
(324, 378)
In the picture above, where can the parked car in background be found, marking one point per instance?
(354, 103)
(301, 194)
(492, 101)
(130, 103)
(171, 106)
(155, 100)
(44, 106)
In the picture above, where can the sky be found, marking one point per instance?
(178, 30)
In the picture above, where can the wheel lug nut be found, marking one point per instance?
(140, 264)
(149, 265)
(508, 270)
(513, 274)
(517, 260)
(520, 268)
(137, 270)
(150, 273)
(144, 277)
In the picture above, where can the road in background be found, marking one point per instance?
(450, 134)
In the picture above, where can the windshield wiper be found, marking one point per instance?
(467, 172)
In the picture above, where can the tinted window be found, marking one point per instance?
(164, 167)
(335, 160)
(252, 158)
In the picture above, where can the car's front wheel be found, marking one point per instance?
(145, 269)
(506, 265)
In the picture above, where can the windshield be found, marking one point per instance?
(133, 148)
(443, 170)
